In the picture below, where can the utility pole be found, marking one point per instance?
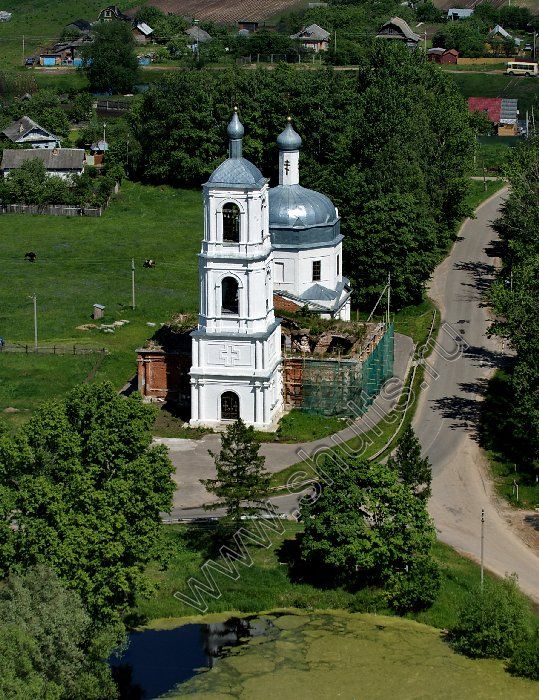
(34, 299)
(133, 283)
(104, 133)
(482, 546)
(425, 35)
(388, 295)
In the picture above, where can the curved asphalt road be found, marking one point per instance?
(446, 418)
(447, 413)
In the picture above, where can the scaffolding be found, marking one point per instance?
(341, 386)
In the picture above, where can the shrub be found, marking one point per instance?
(525, 659)
(491, 622)
(415, 589)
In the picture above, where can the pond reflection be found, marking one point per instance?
(157, 660)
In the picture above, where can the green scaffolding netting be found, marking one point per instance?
(347, 387)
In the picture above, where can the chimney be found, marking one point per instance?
(55, 151)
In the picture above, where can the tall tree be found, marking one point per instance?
(49, 646)
(242, 485)
(85, 487)
(367, 527)
(412, 468)
(110, 61)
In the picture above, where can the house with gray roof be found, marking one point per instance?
(313, 37)
(500, 33)
(59, 162)
(396, 29)
(27, 132)
(197, 35)
(455, 13)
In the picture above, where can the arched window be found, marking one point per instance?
(230, 302)
(230, 406)
(231, 223)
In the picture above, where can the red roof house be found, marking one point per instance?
(491, 106)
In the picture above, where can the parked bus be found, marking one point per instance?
(521, 68)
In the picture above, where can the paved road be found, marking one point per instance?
(192, 461)
(448, 410)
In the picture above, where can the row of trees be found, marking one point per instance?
(514, 297)
(391, 147)
(30, 184)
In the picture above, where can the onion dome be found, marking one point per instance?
(289, 139)
(301, 217)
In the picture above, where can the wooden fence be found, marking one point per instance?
(30, 349)
(50, 209)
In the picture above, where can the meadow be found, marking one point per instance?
(82, 261)
(41, 22)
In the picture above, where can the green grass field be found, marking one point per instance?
(82, 261)
(526, 90)
(41, 22)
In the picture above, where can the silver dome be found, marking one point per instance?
(289, 140)
(237, 172)
(301, 217)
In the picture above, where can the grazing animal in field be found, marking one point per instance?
(149, 263)
(31, 256)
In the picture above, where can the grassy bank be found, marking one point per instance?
(268, 583)
(505, 457)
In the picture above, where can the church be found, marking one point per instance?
(267, 252)
(258, 242)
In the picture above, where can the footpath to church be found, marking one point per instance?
(192, 461)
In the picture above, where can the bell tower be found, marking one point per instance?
(236, 354)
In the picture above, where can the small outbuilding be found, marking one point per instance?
(142, 32)
(82, 26)
(313, 37)
(501, 111)
(443, 56)
(99, 311)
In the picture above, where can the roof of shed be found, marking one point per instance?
(52, 158)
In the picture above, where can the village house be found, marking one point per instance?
(111, 13)
(501, 111)
(501, 34)
(82, 26)
(248, 25)
(26, 131)
(59, 162)
(396, 29)
(142, 33)
(443, 56)
(198, 36)
(313, 37)
(456, 13)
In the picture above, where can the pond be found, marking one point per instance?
(158, 660)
